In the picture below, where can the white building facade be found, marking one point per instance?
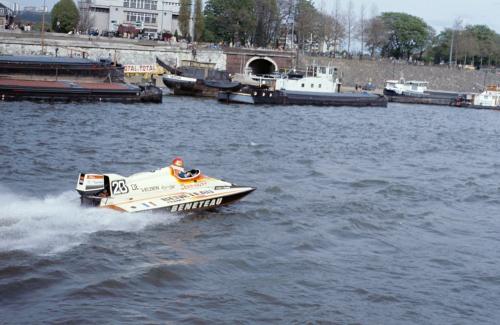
(148, 15)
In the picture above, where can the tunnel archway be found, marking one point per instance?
(261, 66)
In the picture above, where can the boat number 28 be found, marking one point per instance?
(119, 187)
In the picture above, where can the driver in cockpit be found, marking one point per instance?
(177, 168)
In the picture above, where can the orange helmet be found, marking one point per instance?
(178, 162)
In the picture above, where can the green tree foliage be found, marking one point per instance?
(474, 45)
(199, 20)
(184, 17)
(486, 42)
(406, 34)
(66, 13)
(230, 21)
(440, 49)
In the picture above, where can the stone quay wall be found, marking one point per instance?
(125, 51)
(439, 77)
(138, 52)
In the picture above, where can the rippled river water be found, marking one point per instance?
(362, 215)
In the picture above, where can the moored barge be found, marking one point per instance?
(65, 91)
(63, 79)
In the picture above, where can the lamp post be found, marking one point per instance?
(293, 23)
(42, 34)
(451, 48)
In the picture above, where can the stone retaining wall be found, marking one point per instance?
(439, 77)
(125, 51)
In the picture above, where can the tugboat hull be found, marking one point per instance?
(261, 96)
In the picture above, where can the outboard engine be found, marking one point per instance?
(91, 189)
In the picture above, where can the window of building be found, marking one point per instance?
(95, 9)
(141, 4)
(144, 17)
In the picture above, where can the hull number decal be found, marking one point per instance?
(119, 187)
(196, 205)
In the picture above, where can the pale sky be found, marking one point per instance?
(437, 13)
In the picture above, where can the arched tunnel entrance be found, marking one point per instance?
(261, 66)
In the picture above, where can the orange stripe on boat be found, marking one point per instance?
(114, 207)
(95, 177)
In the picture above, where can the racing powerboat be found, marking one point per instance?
(159, 189)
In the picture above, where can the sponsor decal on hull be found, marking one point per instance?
(196, 205)
(184, 196)
(193, 185)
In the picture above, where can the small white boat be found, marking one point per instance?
(402, 87)
(490, 98)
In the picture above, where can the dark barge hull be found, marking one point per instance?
(428, 98)
(67, 67)
(491, 108)
(187, 88)
(64, 91)
(270, 97)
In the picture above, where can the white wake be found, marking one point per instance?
(57, 223)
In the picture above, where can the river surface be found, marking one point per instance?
(361, 216)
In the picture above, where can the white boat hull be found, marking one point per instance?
(157, 190)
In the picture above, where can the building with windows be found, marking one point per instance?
(153, 16)
(6, 16)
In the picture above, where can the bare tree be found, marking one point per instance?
(338, 29)
(375, 33)
(287, 19)
(86, 17)
(350, 20)
(325, 30)
(455, 39)
(362, 28)
(376, 36)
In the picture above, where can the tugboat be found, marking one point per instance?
(319, 86)
(416, 92)
(488, 99)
